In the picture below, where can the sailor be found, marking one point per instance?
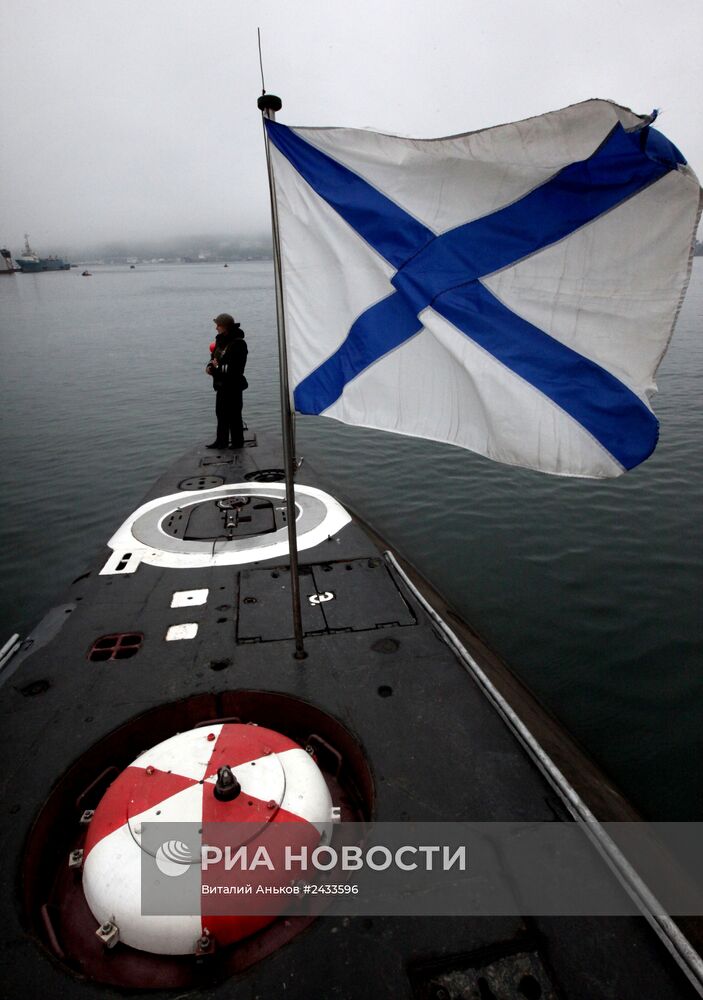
(226, 367)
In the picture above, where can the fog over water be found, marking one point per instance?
(124, 120)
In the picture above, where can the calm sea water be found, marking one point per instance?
(590, 590)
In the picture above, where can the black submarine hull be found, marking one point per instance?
(414, 735)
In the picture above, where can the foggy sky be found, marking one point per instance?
(133, 119)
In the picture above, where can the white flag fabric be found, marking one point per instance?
(511, 291)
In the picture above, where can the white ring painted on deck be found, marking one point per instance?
(142, 539)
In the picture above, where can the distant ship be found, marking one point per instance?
(31, 262)
(6, 263)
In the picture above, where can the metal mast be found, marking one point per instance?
(269, 104)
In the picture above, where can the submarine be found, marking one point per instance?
(167, 680)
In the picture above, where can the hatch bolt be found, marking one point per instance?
(108, 933)
(75, 859)
(205, 945)
(87, 816)
(227, 786)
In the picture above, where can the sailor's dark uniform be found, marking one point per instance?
(229, 383)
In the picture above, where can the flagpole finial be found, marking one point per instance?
(269, 102)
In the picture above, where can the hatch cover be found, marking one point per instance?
(346, 596)
(222, 458)
(200, 482)
(365, 595)
(266, 476)
(233, 517)
(265, 606)
(205, 786)
(229, 457)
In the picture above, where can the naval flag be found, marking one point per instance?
(511, 291)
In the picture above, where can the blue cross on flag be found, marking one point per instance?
(511, 291)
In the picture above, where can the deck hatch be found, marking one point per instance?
(265, 608)
(222, 458)
(230, 517)
(266, 476)
(365, 597)
(200, 483)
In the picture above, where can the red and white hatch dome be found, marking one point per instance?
(269, 780)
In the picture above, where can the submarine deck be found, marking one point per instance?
(376, 662)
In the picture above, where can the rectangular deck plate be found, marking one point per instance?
(347, 596)
(221, 458)
(265, 612)
(365, 595)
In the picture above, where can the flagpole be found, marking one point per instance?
(269, 104)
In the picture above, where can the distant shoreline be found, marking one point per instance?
(143, 262)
